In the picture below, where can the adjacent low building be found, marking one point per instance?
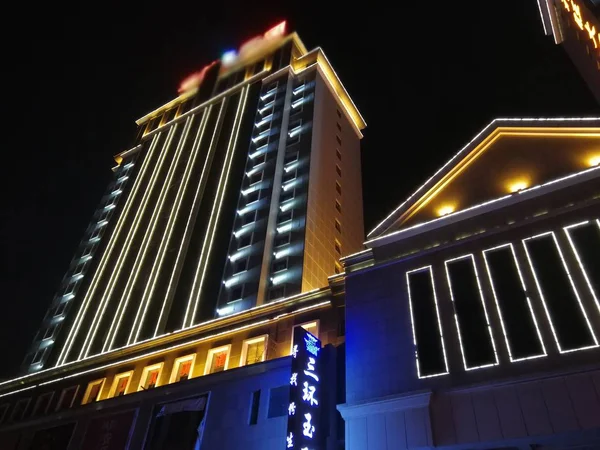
(473, 317)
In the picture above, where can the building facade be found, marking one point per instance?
(243, 190)
(473, 316)
(575, 25)
(202, 308)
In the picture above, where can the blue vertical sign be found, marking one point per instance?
(304, 411)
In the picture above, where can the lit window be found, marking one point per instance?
(120, 384)
(254, 350)
(182, 368)
(93, 391)
(67, 397)
(338, 247)
(217, 360)
(338, 268)
(294, 132)
(312, 327)
(150, 377)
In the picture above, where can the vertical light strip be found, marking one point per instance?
(578, 258)
(188, 228)
(542, 17)
(206, 247)
(158, 262)
(412, 319)
(114, 276)
(487, 320)
(107, 253)
(537, 329)
(147, 239)
(539, 288)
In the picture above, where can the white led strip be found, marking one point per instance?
(412, 321)
(512, 250)
(173, 347)
(578, 258)
(106, 255)
(188, 225)
(217, 204)
(513, 119)
(487, 321)
(539, 288)
(114, 275)
(147, 238)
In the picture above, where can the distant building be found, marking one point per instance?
(473, 317)
(206, 265)
(575, 25)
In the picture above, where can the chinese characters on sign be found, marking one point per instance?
(572, 7)
(303, 431)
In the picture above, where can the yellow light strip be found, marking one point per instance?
(199, 189)
(214, 216)
(106, 255)
(166, 239)
(174, 347)
(148, 235)
(114, 275)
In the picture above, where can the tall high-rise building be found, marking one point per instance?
(244, 189)
(575, 25)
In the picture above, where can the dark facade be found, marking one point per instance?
(473, 317)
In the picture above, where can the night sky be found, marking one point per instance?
(426, 78)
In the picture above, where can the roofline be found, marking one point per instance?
(493, 125)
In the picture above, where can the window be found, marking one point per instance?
(254, 405)
(39, 356)
(284, 217)
(338, 225)
(290, 157)
(338, 188)
(93, 391)
(338, 170)
(252, 197)
(339, 141)
(338, 154)
(260, 159)
(339, 127)
(338, 207)
(67, 397)
(60, 309)
(49, 333)
(312, 327)
(120, 384)
(150, 377)
(280, 265)
(294, 131)
(41, 405)
(277, 292)
(248, 218)
(254, 350)
(240, 265)
(338, 247)
(287, 195)
(3, 411)
(217, 359)
(278, 401)
(19, 410)
(339, 114)
(236, 293)
(288, 176)
(255, 178)
(182, 368)
(337, 269)
(96, 235)
(245, 241)
(282, 240)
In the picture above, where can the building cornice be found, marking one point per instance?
(384, 405)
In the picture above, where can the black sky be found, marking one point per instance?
(425, 77)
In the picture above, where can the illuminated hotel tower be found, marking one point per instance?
(244, 189)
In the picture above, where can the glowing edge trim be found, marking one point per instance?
(540, 292)
(524, 287)
(74, 331)
(576, 253)
(412, 322)
(514, 119)
(487, 320)
(174, 347)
